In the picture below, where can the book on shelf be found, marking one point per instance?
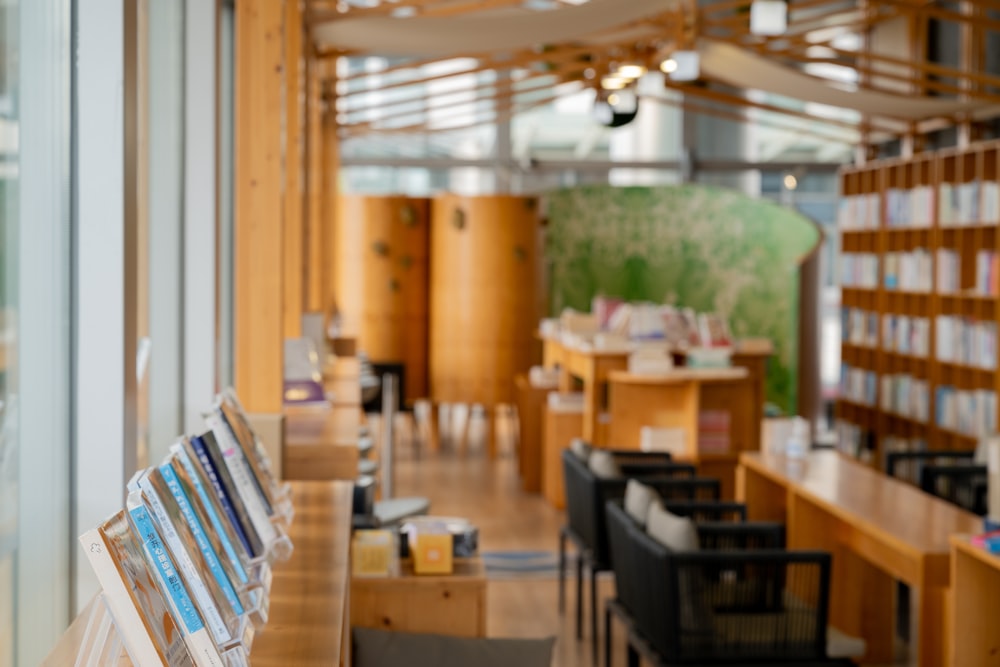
(961, 204)
(197, 637)
(966, 341)
(949, 271)
(858, 212)
(859, 327)
(986, 273)
(904, 395)
(910, 271)
(911, 208)
(906, 335)
(859, 270)
(141, 616)
(149, 488)
(858, 385)
(972, 412)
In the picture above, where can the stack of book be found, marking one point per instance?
(859, 212)
(909, 208)
(905, 395)
(859, 270)
(987, 265)
(909, 271)
(962, 340)
(949, 271)
(184, 567)
(906, 335)
(858, 385)
(859, 327)
(959, 204)
(972, 412)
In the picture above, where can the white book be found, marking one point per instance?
(196, 636)
(240, 471)
(140, 613)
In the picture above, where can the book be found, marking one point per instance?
(150, 488)
(248, 491)
(196, 636)
(140, 613)
(244, 436)
(207, 453)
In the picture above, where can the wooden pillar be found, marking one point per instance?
(314, 235)
(331, 178)
(294, 299)
(259, 210)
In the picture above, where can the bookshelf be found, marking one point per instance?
(920, 242)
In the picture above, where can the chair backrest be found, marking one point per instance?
(963, 484)
(707, 510)
(757, 603)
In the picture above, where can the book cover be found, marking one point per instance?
(222, 622)
(196, 636)
(246, 489)
(192, 477)
(244, 439)
(208, 455)
(141, 615)
(241, 422)
(196, 521)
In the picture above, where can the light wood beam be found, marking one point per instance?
(294, 298)
(259, 237)
(316, 70)
(330, 192)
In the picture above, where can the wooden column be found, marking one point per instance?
(294, 300)
(331, 178)
(314, 185)
(259, 211)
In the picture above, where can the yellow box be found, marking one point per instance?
(372, 553)
(433, 554)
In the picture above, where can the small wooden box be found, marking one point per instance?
(432, 554)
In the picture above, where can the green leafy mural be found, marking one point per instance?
(704, 247)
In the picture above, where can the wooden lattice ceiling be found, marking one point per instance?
(814, 43)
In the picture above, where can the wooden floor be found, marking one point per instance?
(460, 481)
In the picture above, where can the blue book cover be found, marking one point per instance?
(201, 538)
(202, 454)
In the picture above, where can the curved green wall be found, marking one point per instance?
(708, 248)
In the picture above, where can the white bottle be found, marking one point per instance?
(797, 444)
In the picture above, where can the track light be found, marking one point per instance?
(613, 82)
(768, 17)
(631, 70)
(668, 66)
(683, 66)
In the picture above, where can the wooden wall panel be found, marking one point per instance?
(315, 179)
(294, 299)
(483, 296)
(259, 211)
(330, 183)
(380, 271)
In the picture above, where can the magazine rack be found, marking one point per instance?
(101, 644)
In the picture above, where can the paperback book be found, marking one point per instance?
(196, 636)
(142, 618)
(150, 488)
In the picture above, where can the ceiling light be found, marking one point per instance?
(613, 99)
(687, 66)
(668, 66)
(613, 82)
(768, 17)
(631, 70)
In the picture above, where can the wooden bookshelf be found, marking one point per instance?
(935, 219)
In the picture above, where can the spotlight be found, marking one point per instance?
(687, 66)
(668, 66)
(631, 70)
(613, 82)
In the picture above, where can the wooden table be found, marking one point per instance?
(675, 400)
(308, 622)
(975, 605)
(593, 367)
(878, 529)
(530, 459)
(453, 604)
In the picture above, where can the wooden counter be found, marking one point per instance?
(677, 400)
(877, 528)
(592, 367)
(975, 606)
(308, 620)
(452, 604)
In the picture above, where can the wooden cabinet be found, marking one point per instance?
(484, 305)
(380, 275)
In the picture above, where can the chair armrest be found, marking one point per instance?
(751, 535)
(708, 510)
(638, 455)
(632, 469)
(684, 488)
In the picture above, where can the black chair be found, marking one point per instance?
(585, 521)
(740, 600)
(951, 475)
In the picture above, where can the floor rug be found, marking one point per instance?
(522, 564)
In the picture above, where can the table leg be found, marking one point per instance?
(933, 607)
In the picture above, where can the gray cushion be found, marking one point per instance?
(581, 448)
(381, 648)
(603, 464)
(676, 533)
(638, 498)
